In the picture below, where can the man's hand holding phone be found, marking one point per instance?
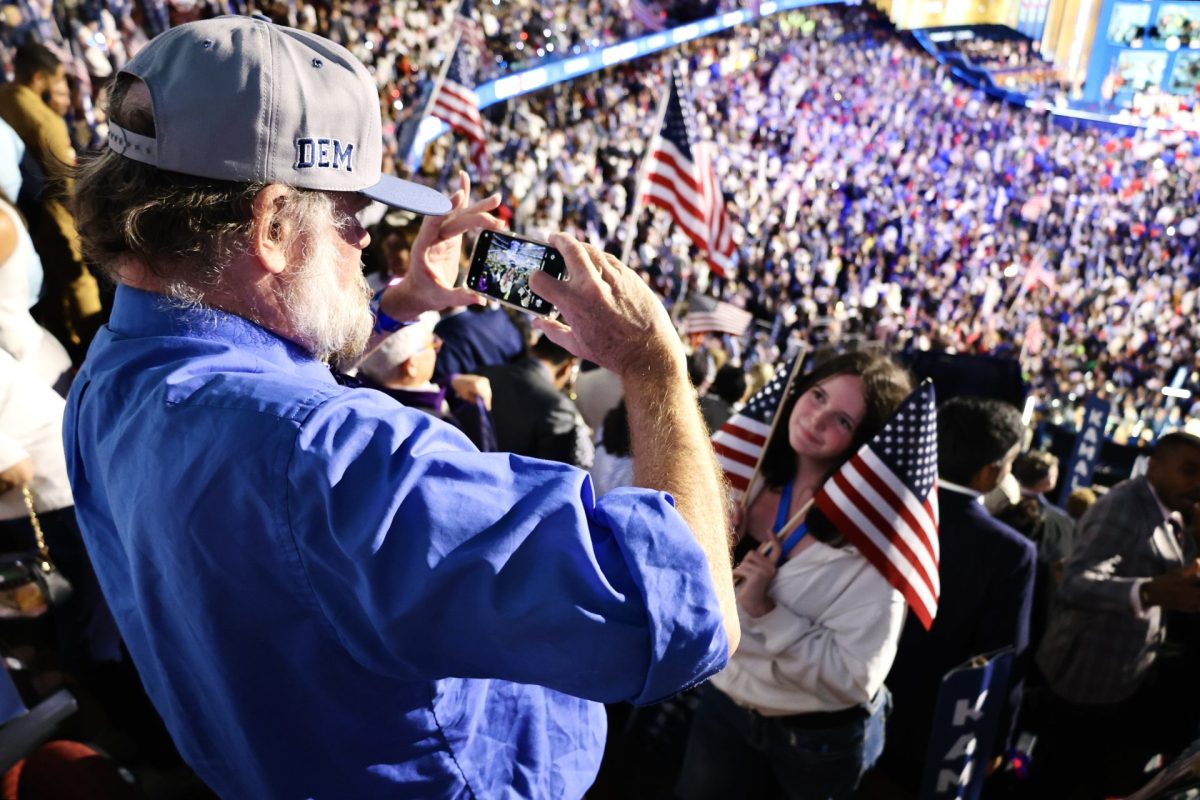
(608, 314)
(435, 256)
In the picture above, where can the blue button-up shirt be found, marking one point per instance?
(329, 595)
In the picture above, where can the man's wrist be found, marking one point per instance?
(660, 368)
(388, 309)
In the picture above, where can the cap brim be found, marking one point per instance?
(397, 193)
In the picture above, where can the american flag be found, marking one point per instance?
(707, 314)
(680, 179)
(884, 501)
(456, 103)
(739, 443)
(1038, 272)
(647, 15)
(468, 29)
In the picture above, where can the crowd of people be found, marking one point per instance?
(877, 206)
(933, 219)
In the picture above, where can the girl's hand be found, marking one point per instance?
(753, 578)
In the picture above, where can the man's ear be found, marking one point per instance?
(986, 478)
(270, 230)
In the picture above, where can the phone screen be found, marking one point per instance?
(501, 266)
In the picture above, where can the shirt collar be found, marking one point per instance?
(138, 313)
(954, 487)
(1166, 512)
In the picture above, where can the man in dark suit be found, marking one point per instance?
(1120, 674)
(1051, 529)
(530, 413)
(1044, 524)
(987, 573)
(476, 337)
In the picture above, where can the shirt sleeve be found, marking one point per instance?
(1091, 578)
(432, 560)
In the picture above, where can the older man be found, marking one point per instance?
(327, 594)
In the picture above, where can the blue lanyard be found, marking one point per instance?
(782, 515)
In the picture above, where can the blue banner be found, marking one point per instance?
(965, 724)
(1086, 451)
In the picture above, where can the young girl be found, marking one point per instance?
(799, 712)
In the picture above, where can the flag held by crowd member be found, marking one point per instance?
(884, 501)
(681, 180)
(709, 315)
(1039, 273)
(740, 442)
(454, 100)
(468, 29)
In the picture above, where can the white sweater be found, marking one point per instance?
(827, 645)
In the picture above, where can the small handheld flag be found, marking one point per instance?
(884, 501)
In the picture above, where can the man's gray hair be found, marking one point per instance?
(183, 230)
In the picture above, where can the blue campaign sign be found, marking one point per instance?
(1086, 451)
(965, 724)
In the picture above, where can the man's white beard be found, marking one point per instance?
(332, 321)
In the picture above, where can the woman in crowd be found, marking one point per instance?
(799, 712)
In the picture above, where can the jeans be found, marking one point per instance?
(735, 752)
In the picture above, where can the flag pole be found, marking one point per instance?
(779, 539)
(442, 73)
(643, 171)
(750, 493)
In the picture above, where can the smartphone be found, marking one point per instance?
(501, 266)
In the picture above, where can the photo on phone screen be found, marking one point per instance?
(501, 266)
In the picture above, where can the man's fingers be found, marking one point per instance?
(548, 288)
(613, 262)
(558, 333)
(467, 221)
(464, 297)
(489, 203)
(575, 255)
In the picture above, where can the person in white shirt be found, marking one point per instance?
(31, 455)
(799, 712)
(21, 336)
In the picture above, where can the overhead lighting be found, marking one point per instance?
(1171, 391)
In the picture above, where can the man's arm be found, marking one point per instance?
(613, 319)
(1098, 574)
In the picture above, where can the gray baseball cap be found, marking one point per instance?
(242, 99)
